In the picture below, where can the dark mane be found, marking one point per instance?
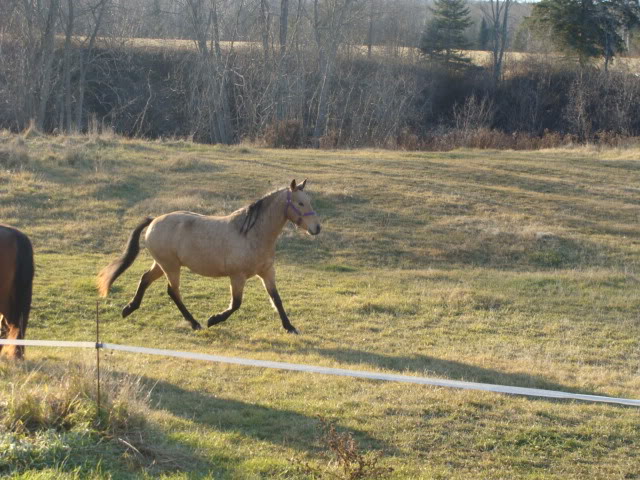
(249, 215)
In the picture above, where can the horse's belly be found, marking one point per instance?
(218, 259)
(205, 267)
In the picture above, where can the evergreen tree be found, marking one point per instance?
(587, 28)
(483, 37)
(521, 38)
(443, 37)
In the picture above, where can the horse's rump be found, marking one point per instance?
(17, 287)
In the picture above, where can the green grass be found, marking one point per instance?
(517, 268)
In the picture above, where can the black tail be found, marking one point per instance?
(23, 282)
(108, 274)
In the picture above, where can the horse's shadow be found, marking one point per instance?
(424, 365)
(277, 426)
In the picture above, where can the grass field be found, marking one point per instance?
(481, 58)
(516, 268)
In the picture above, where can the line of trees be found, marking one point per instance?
(313, 72)
(55, 52)
(587, 29)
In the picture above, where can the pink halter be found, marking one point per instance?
(295, 209)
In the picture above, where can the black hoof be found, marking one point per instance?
(196, 326)
(293, 330)
(127, 310)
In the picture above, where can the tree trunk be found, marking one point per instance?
(282, 63)
(46, 62)
(210, 81)
(265, 17)
(84, 64)
(370, 30)
(498, 19)
(67, 114)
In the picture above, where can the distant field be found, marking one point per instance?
(478, 57)
(517, 268)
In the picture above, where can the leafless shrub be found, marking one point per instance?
(284, 134)
(75, 157)
(353, 463)
(32, 130)
(85, 157)
(99, 128)
(329, 141)
(577, 109)
(474, 114)
(406, 140)
(347, 461)
(484, 138)
(14, 156)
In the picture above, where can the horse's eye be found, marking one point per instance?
(301, 204)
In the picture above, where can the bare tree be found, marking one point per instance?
(497, 17)
(45, 60)
(372, 17)
(97, 12)
(210, 82)
(282, 60)
(265, 20)
(331, 19)
(65, 111)
(29, 68)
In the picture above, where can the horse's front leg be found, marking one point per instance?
(269, 282)
(237, 287)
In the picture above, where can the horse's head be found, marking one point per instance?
(299, 210)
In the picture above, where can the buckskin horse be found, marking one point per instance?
(16, 284)
(239, 246)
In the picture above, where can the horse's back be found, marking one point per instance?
(8, 238)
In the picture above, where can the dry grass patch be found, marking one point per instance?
(15, 156)
(49, 414)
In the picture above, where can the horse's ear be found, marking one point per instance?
(301, 186)
(293, 185)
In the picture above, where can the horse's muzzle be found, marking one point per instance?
(316, 232)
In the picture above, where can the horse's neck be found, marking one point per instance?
(273, 219)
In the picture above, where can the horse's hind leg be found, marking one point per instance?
(14, 351)
(173, 276)
(12, 332)
(4, 329)
(237, 287)
(269, 282)
(150, 276)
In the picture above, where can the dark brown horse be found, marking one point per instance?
(16, 279)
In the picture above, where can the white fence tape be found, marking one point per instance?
(48, 343)
(532, 392)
